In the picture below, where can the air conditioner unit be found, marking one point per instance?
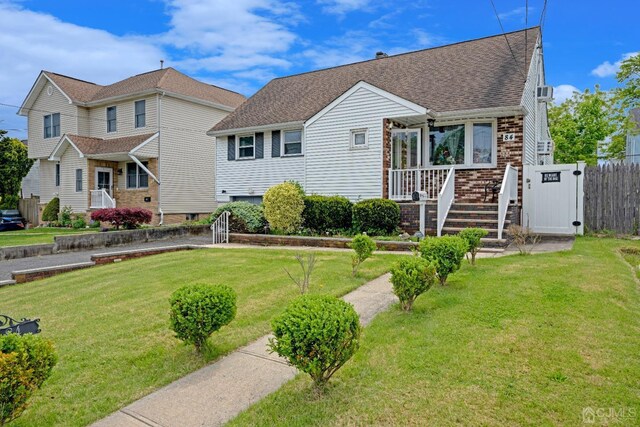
(545, 93)
(545, 147)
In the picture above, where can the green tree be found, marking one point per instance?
(580, 124)
(14, 165)
(625, 99)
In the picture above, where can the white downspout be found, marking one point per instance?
(159, 115)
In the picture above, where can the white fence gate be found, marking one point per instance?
(553, 198)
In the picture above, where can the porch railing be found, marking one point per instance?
(220, 228)
(446, 196)
(101, 199)
(508, 194)
(403, 182)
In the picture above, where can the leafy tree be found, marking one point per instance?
(580, 124)
(14, 165)
(625, 99)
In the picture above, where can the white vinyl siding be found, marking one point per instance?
(532, 106)
(332, 167)
(126, 119)
(254, 177)
(187, 157)
(31, 182)
(45, 104)
(48, 188)
(70, 161)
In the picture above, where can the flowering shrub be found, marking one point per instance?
(128, 218)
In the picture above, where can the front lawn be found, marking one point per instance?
(37, 235)
(110, 324)
(519, 340)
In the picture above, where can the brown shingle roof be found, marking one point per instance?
(167, 79)
(479, 73)
(88, 145)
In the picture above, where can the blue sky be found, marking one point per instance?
(242, 44)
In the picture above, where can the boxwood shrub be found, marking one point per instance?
(26, 361)
(411, 277)
(317, 334)
(245, 217)
(199, 310)
(324, 214)
(446, 254)
(376, 216)
(283, 206)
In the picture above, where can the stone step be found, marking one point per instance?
(7, 283)
(493, 232)
(475, 223)
(484, 207)
(491, 242)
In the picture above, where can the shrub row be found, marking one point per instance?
(245, 217)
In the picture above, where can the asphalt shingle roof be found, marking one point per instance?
(88, 145)
(167, 79)
(480, 73)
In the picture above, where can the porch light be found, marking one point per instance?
(431, 122)
(119, 171)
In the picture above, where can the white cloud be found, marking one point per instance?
(607, 69)
(563, 92)
(353, 46)
(341, 7)
(517, 13)
(425, 39)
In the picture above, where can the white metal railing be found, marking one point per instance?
(403, 182)
(508, 194)
(220, 228)
(101, 199)
(446, 196)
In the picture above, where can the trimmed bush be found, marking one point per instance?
(376, 216)
(363, 246)
(51, 210)
(283, 206)
(64, 217)
(79, 222)
(245, 217)
(317, 334)
(26, 362)
(198, 310)
(445, 253)
(473, 238)
(324, 214)
(411, 277)
(128, 218)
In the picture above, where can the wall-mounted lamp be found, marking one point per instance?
(119, 171)
(431, 122)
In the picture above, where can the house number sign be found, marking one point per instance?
(550, 177)
(508, 137)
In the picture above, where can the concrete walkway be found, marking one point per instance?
(217, 393)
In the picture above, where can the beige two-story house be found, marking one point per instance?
(140, 142)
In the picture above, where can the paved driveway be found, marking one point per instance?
(7, 266)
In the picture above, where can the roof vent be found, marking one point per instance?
(162, 64)
(381, 54)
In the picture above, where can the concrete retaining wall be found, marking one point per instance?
(321, 242)
(14, 252)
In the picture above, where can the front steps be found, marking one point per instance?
(480, 215)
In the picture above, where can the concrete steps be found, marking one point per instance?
(476, 215)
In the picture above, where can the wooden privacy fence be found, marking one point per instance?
(29, 210)
(612, 198)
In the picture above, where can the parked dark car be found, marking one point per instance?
(10, 219)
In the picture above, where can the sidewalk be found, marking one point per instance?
(217, 393)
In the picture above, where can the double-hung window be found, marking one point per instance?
(470, 144)
(136, 176)
(57, 174)
(78, 180)
(52, 125)
(292, 143)
(111, 119)
(140, 114)
(246, 147)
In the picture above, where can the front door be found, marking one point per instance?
(103, 180)
(407, 149)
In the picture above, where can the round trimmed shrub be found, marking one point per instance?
(446, 254)
(51, 210)
(245, 217)
(26, 361)
(363, 247)
(283, 206)
(199, 310)
(376, 216)
(317, 334)
(411, 277)
(473, 236)
(324, 214)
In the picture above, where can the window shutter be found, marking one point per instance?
(259, 145)
(231, 147)
(275, 143)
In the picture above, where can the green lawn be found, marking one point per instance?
(519, 340)
(37, 235)
(110, 323)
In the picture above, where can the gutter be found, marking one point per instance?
(277, 126)
(480, 112)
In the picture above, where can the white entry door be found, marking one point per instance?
(553, 198)
(104, 180)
